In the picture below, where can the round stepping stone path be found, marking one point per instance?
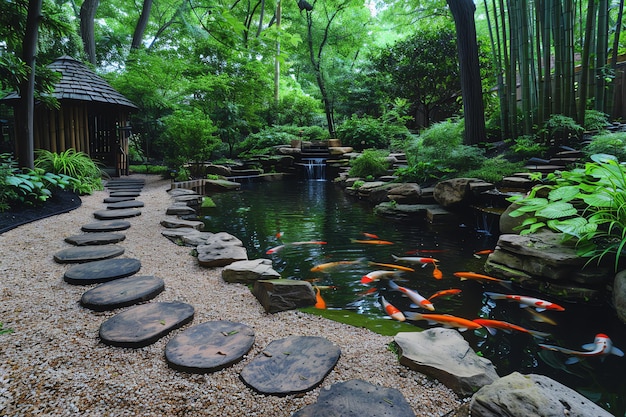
(101, 271)
(97, 238)
(116, 214)
(291, 365)
(144, 324)
(124, 194)
(106, 226)
(80, 254)
(125, 205)
(122, 292)
(117, 199)
(209, 347)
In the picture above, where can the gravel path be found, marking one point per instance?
(54, 364)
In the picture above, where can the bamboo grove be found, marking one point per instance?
(552, 57)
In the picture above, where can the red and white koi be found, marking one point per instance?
(493, 325)
(524, 301)
(415, 259)
(601, 347)
(376, 275)
(446, 320)
(370, 235)
(391, 310)
(372, 242)
(413, 295)
(275, 249)
(445, 293)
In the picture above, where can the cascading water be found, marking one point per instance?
(314, 168)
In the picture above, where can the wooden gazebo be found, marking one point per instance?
(93, 117)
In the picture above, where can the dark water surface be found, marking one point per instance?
(314, 211)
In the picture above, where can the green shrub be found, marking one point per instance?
(8, 168)
(150, 169)
(561, 130)
(77, 165)
(443, 135)
(494, 169)
(607, 143)
(368, 132)
(527, 146)
(189, 137)
(371, 163)
(264, 141)
(595, 120)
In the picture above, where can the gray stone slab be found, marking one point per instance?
(122, 292)
(116, 214)
(80, 254)
(357, 398)
(96, 238)
(101, 271)
(144, 324)
(106, 226)
(117, 199)
(209, 347)
(291, 365)
(125, 205)
(124, 193)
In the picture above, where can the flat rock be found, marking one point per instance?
(80, 254)
(124, 194)
(122, 292)
(175, 192)
(357, 398)
(106, 226)
(144, 324)
(445, 355)
(222, 185)
(291, 365)
(246, 272)
(180, 210)
(125, 205)
(101, 271)
(209, 347)
(116, 214)
(189, 199)
(283, 294)
(175, 223)
(221, 249)
(97, 238)
(117, 199)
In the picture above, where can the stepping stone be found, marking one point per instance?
(144, 324)
(106, 226)
(209, 347)
(117, 199)
(291, 365)
(125, 205)
(101, 271)
(122, 292)
(97, 238)
(80, 254)
(124, 194)
(116, 214)
(361, 399)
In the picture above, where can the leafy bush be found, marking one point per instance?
(8, 168)
(312, 133)
(560, 130)
(595, 120)
(368, 132)
(298, 108)
(189, 136)
(264, 141)
(607, 143)
(527, 146)
(371, 163)
(586, 204)
(494, 169)
(77, 165)
(150, 169)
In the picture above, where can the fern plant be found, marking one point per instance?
(587, 204)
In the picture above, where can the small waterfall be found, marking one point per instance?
(314, 168)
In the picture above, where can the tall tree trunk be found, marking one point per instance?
(618, 31)
(601, 54)
(584, 72)
(87, 16)
(471, 87)
(26, 106)
(141, 24)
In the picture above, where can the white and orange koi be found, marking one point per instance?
(480, 277)
(446, 320)
(391, 310)
(275, 249)
(370, 235)
(524, 301)
(376, 275)
(413, 295)
(330, 265)
(372, 242)
(445, 293)
(415, 259)
(493, 325)
(601, 347)
(309, 242)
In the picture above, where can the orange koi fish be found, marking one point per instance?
(413, 296)
(446, 320)
(480, 277)
(391, 310)
(329, 265)
(415, 259)
(392, 266)
(445, 293)
(372, 242)
(493, 325)
(437, 274)
(275, 249)
(370, 235)
(368, 292)
(319, 301)
(601, 346)
(376, 275)
(280, 234)
(538, 304)
(484, 252)
(541, 318)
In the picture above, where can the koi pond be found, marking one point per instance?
(318, 224)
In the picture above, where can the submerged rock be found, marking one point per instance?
(283, 294)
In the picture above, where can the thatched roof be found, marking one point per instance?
(80, 83)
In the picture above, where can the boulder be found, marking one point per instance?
(179, 209)
(407, 193)
(221, 249)
(459, 191)
(174, 223)
(377, 194)
(619, 295)
(446, 356)
(246, 272)
(221, 170)
(186, 236)
(283, 294)
(401, 211)
(518, 395)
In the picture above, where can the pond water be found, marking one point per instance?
(266, 215)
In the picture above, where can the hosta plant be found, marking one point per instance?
(587, 204)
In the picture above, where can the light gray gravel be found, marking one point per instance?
(54, 364)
